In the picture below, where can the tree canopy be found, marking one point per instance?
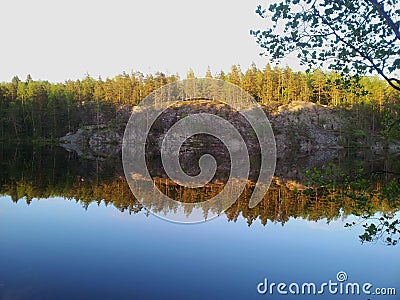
(349, 36)
(37, 109)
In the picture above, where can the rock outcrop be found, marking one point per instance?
(303, 128)
(93, 141)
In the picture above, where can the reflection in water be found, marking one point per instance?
(341, 189)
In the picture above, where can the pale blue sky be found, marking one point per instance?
(60, 40)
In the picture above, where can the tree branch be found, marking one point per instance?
(393, 82)
(379, 7)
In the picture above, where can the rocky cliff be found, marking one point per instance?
(300, 127)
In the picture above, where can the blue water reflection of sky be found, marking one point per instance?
(54, 249)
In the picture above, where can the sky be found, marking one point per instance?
(61, 40)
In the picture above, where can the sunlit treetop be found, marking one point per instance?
(348, 36)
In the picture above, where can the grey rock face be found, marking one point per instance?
(299, 127)
(93, 141)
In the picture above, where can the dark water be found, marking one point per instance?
(71, 229)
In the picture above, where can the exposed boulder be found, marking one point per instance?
(93, 141)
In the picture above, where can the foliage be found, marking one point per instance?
(41, 110)
(358, 36)
(381, 226)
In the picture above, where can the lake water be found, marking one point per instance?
(70, 229)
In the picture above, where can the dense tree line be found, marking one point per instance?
(32, 109)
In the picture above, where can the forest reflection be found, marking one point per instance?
(364, 187)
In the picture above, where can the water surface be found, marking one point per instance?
(69, 229)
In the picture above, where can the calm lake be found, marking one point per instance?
(71, 229)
